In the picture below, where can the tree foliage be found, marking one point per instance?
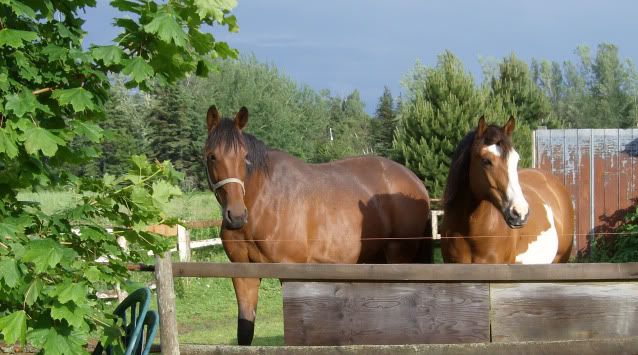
(52, 99)
(284, 114)
(441, 106)
(384, 125)
(599, 91)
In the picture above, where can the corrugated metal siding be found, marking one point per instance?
(600, 170)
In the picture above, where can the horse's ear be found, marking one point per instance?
(509, 126)
(241, 118)
(482, 127)
(212, 117)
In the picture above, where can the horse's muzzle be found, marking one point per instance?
(514, 220)
(233, 222)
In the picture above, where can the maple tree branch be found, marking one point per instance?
(41, 91)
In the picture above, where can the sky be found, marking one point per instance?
(342, 45)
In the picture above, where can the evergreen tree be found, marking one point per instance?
(170, 121)
(441, 107)
(520, 96)
(125, 129)
(384, 124)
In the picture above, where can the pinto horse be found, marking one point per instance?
(494, 213)
(277, 208)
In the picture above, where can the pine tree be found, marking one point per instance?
(384, 124)
(514, 89)
(171, 120)
(520, 94)
(441, 107)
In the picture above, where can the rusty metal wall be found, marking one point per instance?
(600, 170)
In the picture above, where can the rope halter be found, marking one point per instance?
(228, 181)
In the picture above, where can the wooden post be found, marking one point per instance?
(166, 304)
(183, 244)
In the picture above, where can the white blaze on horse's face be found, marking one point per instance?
(516, 206)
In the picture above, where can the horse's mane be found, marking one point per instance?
(228, 136)
(459, 175)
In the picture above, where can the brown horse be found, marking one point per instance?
(497, 214)
(279, 209)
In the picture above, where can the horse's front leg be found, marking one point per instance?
(247, 292)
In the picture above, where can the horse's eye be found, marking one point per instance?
(211, 157)
(248, 162)
(486, 162)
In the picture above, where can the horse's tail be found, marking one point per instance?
(425, 254)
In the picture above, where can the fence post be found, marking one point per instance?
(183, 243)
(166, 304)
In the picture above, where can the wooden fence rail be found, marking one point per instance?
(343, 304)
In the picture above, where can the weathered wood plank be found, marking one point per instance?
(563, 311)
(584, 207)
(576, 347)
(317, 313)
(413, 272)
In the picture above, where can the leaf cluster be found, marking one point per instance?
(52, 97)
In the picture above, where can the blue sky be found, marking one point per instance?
(342, 45)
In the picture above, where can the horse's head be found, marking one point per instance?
(493, 171)
(225, 159)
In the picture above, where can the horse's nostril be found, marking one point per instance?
(229, 216)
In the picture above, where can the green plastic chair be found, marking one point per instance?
(137, 320)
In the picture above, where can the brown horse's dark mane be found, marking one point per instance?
(459, 175)
(228, 136)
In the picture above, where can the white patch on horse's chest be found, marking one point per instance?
(542, 250)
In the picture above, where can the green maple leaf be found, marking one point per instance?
(73, 314)
(44, 254)
(54, 343)
(167, 29)
(16, 38)
(214, 8)
(19, 8)
(37, 138)
(79, 98)
(14, 327)
(93, 274)
(89, 130)
(33, 292)
(201, 42)
(163, 191)
(70, 291)
(22, 103)
(8, 143)
(54, 52)
(138, 69)
(141, 198)
(9, 272)
(108, 54)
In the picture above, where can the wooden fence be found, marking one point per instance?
(599, 167)
(182, 232)
(333, 304)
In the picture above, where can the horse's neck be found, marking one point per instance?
(464, 204)
(257, 183)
